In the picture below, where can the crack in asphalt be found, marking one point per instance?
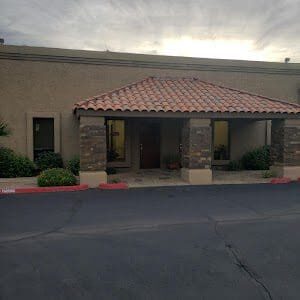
(238, 261)
(138, 227)
(76, 205)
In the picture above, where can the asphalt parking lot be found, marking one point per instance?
(207, 242)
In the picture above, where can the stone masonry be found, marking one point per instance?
(196, 144)
(92, 144)
(285, 142)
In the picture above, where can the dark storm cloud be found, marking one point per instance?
(142, 25)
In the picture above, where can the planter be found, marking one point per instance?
(173, 166)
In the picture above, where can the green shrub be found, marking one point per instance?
(257, 159)
(268, 174)
(4, 130)
(7, 158)
(24, 167)
(235, 165)
(14, 165)
(116, 180)
(49, 160)
(111, 171)
(56, 177)
(74, 165)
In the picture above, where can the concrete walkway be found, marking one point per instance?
(19, 182)
(160, 177)
(238, 177)
(153, 178)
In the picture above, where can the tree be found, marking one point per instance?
(4, 130)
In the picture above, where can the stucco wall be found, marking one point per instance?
(32, 85)
(246, 135)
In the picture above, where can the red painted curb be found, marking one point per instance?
(47, 189)
(113, 186)
(281, 180)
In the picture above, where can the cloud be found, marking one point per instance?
(269, 27)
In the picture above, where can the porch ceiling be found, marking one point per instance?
(184, 95)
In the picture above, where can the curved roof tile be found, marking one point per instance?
(184, 95)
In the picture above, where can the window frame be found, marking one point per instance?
(223, 161)
(29, 129)
(40, 150)
(125, 163)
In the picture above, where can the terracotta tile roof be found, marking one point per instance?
(155, 94)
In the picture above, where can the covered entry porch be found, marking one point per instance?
(157, 142)
(140, 147)
(138, 127)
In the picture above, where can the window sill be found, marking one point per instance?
(220, 162)
(118, 164)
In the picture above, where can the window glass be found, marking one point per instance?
(221, 140)
(115, 140)
(43, 135)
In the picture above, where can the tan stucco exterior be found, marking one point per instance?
(246, 135)
(41, 80)
(292, 172)
(197, 176)
(93, 179)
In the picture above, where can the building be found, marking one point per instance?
(142, 115)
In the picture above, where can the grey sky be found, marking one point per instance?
(242, 29)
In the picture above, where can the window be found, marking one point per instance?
(221, 140)
(43, 135)
(115, 140)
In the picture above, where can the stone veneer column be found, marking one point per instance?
(92, 151)
(285, 148)
(196, 151)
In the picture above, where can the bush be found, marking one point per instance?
(111, 171)
(268, 174)
(116, 180)
(49, 160)
(56, 177)
(14, 165)
(4, 130)
(7, 158)
(74, 165)
(24, 167)
(257, 159)
(235, 165)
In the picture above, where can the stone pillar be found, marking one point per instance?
(196, 151)
(285, 148)
(92, 151)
